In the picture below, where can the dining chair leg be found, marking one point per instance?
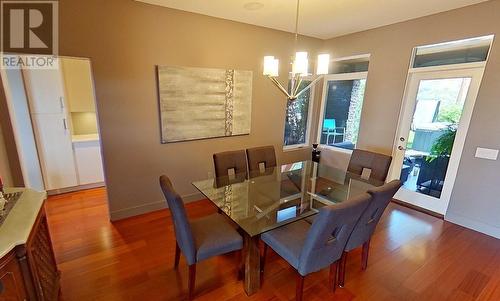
(299, 290)
(333, 275)
(177, 255)
(342, 264)
(191, 283)
(364, 255)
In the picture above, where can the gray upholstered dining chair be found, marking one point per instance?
(310, 248)
(362, 233)
(224, 162)
(378, 164)
(198, 239)
(258, 155)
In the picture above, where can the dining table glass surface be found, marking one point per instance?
(272, 197)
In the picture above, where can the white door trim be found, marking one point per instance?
(407, 111)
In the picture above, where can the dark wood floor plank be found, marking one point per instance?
(413, 256)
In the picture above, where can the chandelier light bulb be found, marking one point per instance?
(300, 69)
(323, 64)
(300, 64)
(271, 66)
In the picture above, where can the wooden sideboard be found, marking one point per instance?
(29, 270)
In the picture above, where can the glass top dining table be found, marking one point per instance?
(273, 197)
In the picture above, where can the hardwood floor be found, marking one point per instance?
(413, 256)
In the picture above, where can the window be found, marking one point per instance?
(343, 95)
(456, 52)
(297, 118)
(359, 64)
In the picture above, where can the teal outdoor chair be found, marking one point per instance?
(330, 129)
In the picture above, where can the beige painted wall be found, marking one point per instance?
(390, 48)
(4, 162)
(84, 123)
(474, 201)
(125, 40)
(10, 169)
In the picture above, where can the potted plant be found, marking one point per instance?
(444, 144)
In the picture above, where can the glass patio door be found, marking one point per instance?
(433, 125)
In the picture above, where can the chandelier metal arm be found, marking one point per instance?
(280, 86)
(298, 81)
(296, 85)
(300, 67)
(309, 86)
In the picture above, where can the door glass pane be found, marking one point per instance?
(343, 107)
(436, 117)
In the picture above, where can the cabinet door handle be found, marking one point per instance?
(61, 101)
(65, 124)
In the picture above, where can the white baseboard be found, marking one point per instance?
(150, 207)
(136, 210)
(75, 188)
(188, 198)
(473, 224)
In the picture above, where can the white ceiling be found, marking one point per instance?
(319, 18)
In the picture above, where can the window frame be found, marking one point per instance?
(310, 111)
(326, 79)
(451, 45)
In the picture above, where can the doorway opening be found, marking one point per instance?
(440, 94)
(55, 124)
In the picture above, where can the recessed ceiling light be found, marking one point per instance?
(253, 5)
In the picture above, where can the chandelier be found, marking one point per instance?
(300, 68)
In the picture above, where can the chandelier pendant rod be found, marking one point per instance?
(299, 68)
(297, 25)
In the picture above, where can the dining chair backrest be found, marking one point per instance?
(329, 233)
(182, 228)
(378, 164)
(225, 161)
(258, 155)
(381, 197)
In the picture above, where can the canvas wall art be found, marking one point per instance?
(201, 103)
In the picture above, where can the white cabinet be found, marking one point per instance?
(64, 164)
(88, 161)
(45, 90)
(55, 150)
(77, 76)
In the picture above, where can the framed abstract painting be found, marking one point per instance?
(202, 103)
